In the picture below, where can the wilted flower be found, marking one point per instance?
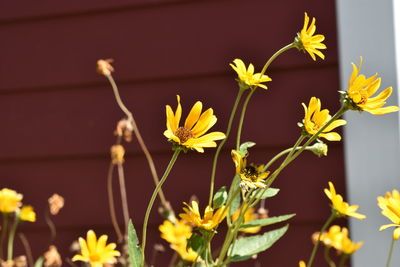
(210, 219)
(315, 119)
(307, 41)
(252, 176)
(56, 203)
(117, 154)
(96, 252)
(341, 206)
(247, 77)
(104, 67)
(10, 200)
(52, 258)
(191, 134)
(124, 129)
(360, 91)
(27, 214)
(390, 205)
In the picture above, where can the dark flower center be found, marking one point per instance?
(183, 134)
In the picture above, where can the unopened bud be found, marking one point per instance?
(320, 149)
(117, 154)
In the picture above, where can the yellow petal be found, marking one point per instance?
(194, 115)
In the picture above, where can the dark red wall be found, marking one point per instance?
(58, 115)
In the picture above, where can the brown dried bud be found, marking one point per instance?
(104, 67)
(56, 203)
(75, 247)
(314, 237)
(124, 129)
(117, 154)
(52, 258)
(20, 261)
(262, 213)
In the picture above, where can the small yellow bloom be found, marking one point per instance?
(10, 200)
(341, 206)
(27, 214)
(361, 89)
(96, 252)
(307, 41)
(210, 220)
(251, 175)
(338, 238)
(249, 216)
(191, 134)
(184, 253)
(302, 264)
(175, 233)
(247, 77)
(390, 205)
(315, 119)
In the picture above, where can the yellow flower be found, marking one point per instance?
(315, 119)
(249, 216)
(10, 200)
(191, 135)
(390, 205)
(302, 264)
(210, 220)
(184, 253)
(175, 233)
(247, 77)
(341, 206)
(27, 214)
(361, 89)
(307, 41)
(338, 238)
(96, 252)
(251, 175)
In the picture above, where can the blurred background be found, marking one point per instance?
(58, 115)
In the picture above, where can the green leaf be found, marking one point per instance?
(246, 247)
(236, 201)
(196, 242)
(135, 253)
(220, 198)
(270, 192)
(243, 149)
(267, 221)
(39, 262)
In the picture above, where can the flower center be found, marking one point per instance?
(183, 134)
(359, 97)
(251, 173)
(94, 258)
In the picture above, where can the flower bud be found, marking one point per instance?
(320, 149)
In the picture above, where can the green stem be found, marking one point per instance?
(243, 113)
(328, 257)
(389, 259)
(3, 233)
(314, 251)
(153, 197)
(277, 53)
(343, 259)
(221, 144)
(11, 239)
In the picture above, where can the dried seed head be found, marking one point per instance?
(20, 261)
(52, 258)
(117, 154)
(56, 203)
(104, 67)
(124, 129)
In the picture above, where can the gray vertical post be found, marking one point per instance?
(372, 143)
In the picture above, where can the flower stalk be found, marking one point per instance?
(11, 237)
(389, 258)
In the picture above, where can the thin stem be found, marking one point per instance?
(111, 204)
(124, 198)
(277, 53)
(51, 225)
(138, 137)
(221, 144)
(343, 259)
(152, 199)
(315, 248)
(328, 257)
(27, 247)
(11, 236)
(389, 259)
(241, 120)
(4, 229)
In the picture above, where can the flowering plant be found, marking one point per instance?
(236, 211)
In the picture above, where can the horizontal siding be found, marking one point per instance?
(182, 40)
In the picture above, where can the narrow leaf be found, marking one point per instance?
(270, 192)
(220, 198)
(135, 253)
(39, 262)
(267, 221)
(246, 247)
(236, 201)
